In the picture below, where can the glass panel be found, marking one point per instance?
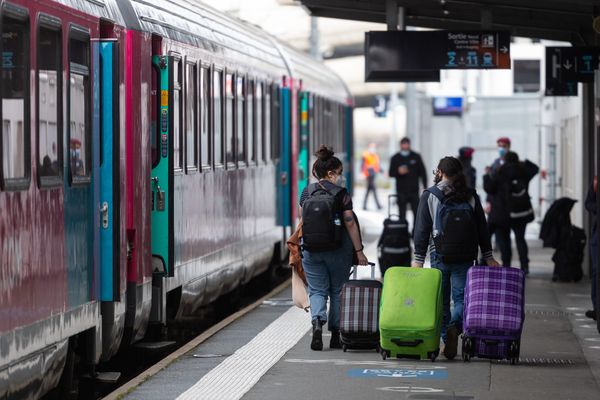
(190, 114)
(48, 102)
(15, 71)
(218, 116)
(250, 122)
(241, 123)
(268, 122)
(205, 155)
(177, 120)
(276, 127)
(259, 121)
(229, 120)
(79, 107)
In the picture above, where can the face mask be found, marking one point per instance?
(340, 181)
(405, 153)
(501, 151)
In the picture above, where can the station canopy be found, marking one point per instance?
(562, 20)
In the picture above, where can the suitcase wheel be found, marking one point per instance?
(384, 354)
(467, 348)
(513, 352)
(433, 355)
(344, 348)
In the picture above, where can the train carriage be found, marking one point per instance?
(151, 157)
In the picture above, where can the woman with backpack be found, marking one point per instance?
(451, 223)
(331, 244)
(511, 205)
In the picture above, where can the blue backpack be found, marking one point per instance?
(454, 230)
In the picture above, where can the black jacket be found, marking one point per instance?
(590, 206)
(498, 185)
(424, 222)
(408, 183)
(470, 172)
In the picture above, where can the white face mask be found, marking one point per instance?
(340, 181)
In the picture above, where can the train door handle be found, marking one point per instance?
(284, 178)
(104, 215)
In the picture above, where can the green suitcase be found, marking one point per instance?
(410, 315)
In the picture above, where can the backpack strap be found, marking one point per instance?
(434, 190)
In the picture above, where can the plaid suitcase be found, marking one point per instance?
(493, 313)
(359, 328)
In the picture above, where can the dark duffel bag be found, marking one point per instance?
(568, 258)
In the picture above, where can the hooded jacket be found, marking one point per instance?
(498, 185)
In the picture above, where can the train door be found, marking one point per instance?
(284, 166)
(109, 170)
(303, 151)
(162, 167)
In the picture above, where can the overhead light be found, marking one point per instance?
(446, 12)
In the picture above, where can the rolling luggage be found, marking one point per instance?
(394, 243)
(493, 313)
(359, 314)
(410, 318)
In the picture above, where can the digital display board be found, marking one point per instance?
(448, 106)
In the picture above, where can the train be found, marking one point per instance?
(152, 154)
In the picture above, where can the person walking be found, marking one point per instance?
(370, 168)
(329, 248)
(465, 156)
(503, 144)
(591, 207)
(511, 205)
(408, 169)
(453, 242)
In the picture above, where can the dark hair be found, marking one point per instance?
(511, 157)
(325, 162)
(453, 169)
(405, 140)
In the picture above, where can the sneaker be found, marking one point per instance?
(317, 335)
(451, 343)
(591, 314)
(335, 343)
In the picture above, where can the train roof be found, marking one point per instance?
(233, 42)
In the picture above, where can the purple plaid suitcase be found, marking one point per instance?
(493, 313)
(359, 316)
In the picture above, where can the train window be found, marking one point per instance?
(275, 127)
(205, 139)
(250, 121)
(191, 96)
(177, 133)
(79, 107)
(259, 122)
(267, 136)
(15, 103)
(218, 116)
(241, 118)
(229, 120)
(49, 98)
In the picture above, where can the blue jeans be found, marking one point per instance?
(594, 255)
(326, 273)
(454, 278)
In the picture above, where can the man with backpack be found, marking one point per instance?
(451, 223)
(511, 205)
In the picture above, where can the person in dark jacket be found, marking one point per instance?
(408, 169)
(465, 156)
(451, 181)
(591, 207)
(511, 205)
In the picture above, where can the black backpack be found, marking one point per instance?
(454, 231)
(322, 218)
(519, 202)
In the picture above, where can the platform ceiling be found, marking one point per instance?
(565, 20)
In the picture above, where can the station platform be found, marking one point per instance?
(265, 355)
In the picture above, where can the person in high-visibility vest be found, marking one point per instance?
(370, 168)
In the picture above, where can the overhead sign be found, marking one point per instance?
(447, 106)
(572, 64)
(556, 83)
(393, 52)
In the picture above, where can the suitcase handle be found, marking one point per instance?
(354, 272)
(390, 197)
(407, 343)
